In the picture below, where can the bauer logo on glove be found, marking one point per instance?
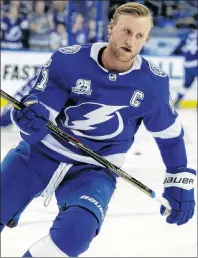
(183, 180)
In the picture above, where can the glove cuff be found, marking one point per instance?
(184, 180)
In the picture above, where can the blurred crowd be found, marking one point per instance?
(174, 15)
(44, 25)
(38, 25)
(167, 14)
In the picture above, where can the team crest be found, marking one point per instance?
(82, 87)
(70, 49)
(156, 70)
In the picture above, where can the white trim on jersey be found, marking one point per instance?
(51, 143)
(45, 247)
(191, 64)
(171, 132)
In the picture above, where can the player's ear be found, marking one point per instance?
(110, 27)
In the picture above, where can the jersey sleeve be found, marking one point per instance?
(165, 126)
(51, 85)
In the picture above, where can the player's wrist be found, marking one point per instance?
(184, 179)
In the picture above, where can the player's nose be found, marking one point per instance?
(129, 44)
(131, 40)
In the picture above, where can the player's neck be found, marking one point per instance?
(111, 63)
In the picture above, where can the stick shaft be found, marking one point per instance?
(104, 162)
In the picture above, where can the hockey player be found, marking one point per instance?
(5, 119)
(100, 94)
(189, 49)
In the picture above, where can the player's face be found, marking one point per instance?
(128, 35)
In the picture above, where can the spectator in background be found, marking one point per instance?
(59, 37)
(59, 9)
(165, 19)
(183, 15)
(92, 31)
(41, 26)
(14, 27)
(5, 5)
(25, 7)
(79, 32)
(2, 10)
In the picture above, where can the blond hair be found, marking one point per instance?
(137, 9)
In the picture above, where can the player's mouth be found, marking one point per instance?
(126, 49)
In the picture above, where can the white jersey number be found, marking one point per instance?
(42, 84)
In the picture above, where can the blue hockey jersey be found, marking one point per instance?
(104, 109)
(190, 50)
(12, 32)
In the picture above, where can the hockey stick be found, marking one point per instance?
(74, 142)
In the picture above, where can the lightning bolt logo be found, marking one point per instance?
(95, 117)
(98, 116)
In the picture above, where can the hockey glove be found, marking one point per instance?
(179, 191)
(31, 120)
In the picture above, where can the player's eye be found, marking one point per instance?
(139, 36)
(127, 31)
